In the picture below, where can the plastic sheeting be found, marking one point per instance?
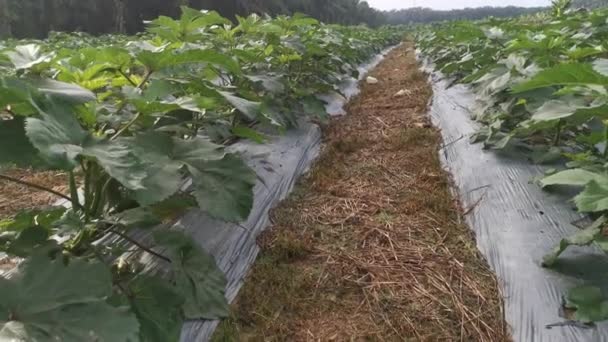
(516, 223)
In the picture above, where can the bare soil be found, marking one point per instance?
(371, 246)
(15, 197)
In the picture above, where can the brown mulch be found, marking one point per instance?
(371, 245)
(15, 197)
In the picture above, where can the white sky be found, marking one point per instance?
(452, 4)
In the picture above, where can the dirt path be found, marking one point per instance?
(370, 246)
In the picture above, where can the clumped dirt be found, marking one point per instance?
(15, 197)
(371, 244)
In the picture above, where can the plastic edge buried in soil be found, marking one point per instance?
(516, 224)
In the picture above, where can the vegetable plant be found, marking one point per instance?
(140, 127)
(541, 83)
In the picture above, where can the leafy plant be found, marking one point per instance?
(542, 86)
(140, 125)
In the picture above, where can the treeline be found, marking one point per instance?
(427, 15)
(590, 3)
(36, 18)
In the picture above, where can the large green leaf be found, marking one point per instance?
(27, 56)
(61, 140)
(222, 183)
(17, 95)
(224, 187)
(563, 74)
(594, 198)
(554, 110)
(57, 135)
(575, 177)
(158, 307)
(600, 65)
(165, 157)
(67, 91)
(248, 108)
(51, 301)
(34, 217)
(21, 152)
(589, 303)
(160, 60)
(581, 238)
(196, 276)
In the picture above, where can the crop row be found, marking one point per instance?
(130, 119)
(541, 88)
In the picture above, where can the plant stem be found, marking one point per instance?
(146, 78)
(127, 77)
(126, 127)
(605, 141)
(88, 173)
(100, 191)
(74, 191)
(139, 245)
(35, 186)
(558, 133)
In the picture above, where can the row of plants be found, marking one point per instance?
(541, 88)
(131, 120)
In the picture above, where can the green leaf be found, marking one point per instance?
(50, 301)
(315, 107)
(118, 160)
(589, 303)
(224, 188)
(28, 241)
(563, 74)
(22, 153)
(67, 91)
(57, 135)
(248, 108)
(17, 94)
(593, 199)
(165, 157)
(140, 217)
(248, 133)
(27, 56)
(60, 139)
(575, 177)
(167, 58)
(554, 110)
(222, 183)
(270, 83)
(196, 276)
(193, 19)
(600, 65)
(581, 238)
(69, 223)
(30, 218)
(158, 307)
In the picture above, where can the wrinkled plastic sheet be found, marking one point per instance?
(278, 163)
(516, 223)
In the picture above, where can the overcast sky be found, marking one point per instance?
(451, 4)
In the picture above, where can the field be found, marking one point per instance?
(105, 137)
(540, 83)
(126, 121)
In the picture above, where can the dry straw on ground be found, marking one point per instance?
(15, 197)
(371, 246)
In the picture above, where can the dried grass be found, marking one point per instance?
(372, 246)
(15, 197)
